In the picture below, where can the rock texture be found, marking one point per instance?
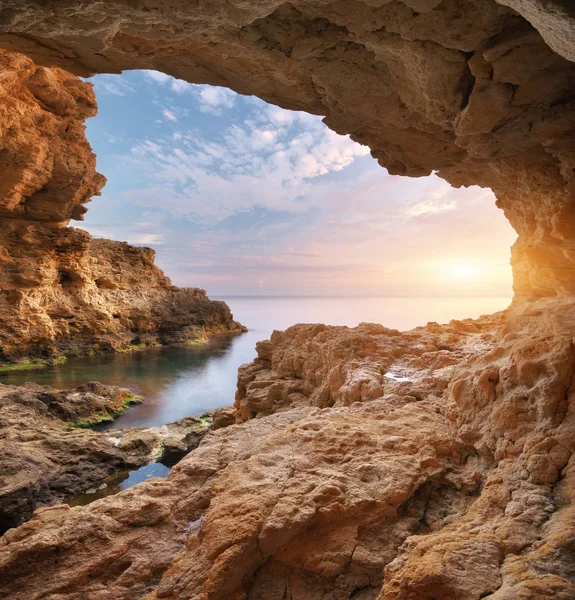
(62, 292)
(477, 90)
(45, 458)
(365, 464)
(435, 464)
(317, 365)
(47, 168)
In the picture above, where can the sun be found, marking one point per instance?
(463, 270)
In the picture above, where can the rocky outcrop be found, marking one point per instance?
(47, 455)
(47, 168)
(62, 292)
(477, 90)
(433, 464)
(317, 365)
(366, 464)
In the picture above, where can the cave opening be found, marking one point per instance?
(70, 279)
(311, 483)
(242, 197)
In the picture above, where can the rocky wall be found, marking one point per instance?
(479, 91)
(62, 292)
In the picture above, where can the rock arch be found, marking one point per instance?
(458, 480)
(480, 92)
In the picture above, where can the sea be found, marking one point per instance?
(180, 382)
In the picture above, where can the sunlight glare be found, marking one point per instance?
(463, 270)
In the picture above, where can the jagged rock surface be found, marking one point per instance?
(317, 365)
(47, 168)
(477, 90)
(455, 479)
(458, 483)
(62, 292)
(45, 459)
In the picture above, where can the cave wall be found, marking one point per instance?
(479, 91)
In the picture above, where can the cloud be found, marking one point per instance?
(234, 197)
(293, 252)
(259, 162)
(210, 99)
(113, 85)
(181, 87)
(435, 203)
(156, 76)
(168, 114)
(147, 238)
(213, 99)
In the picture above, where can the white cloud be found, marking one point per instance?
(156, 76)
(112, 84)
(210, 99)
(261, 162)
(327, 224)
(181, 87)
(169, 115)
(279, 116)
(215, 98)
(430, 206)
(147, 238)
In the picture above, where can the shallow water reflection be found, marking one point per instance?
(176, 382)
(120, 481)
(181, 382)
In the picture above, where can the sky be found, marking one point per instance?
(240, 197)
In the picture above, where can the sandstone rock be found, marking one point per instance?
(47, 168)
(223, 417)
(456, 484)
(90, 403)
(62, 292)
(321, 366)
(480, 92)
(452, 477)
(45, 458)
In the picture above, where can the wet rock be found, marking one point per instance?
(48, 455)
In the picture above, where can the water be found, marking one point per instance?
(179, 382)
(120, 481)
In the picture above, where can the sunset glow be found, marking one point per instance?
(240, 197)
(464, 270)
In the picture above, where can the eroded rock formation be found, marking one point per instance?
(62, 292)
(47, 455)
(477, 90)
(450, 478)
(365, 463)
(317, 365)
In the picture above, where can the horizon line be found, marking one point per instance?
(359, 296)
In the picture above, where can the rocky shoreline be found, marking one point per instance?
(62, 292)
(81, 296)
(366, 463)
(48, 453)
